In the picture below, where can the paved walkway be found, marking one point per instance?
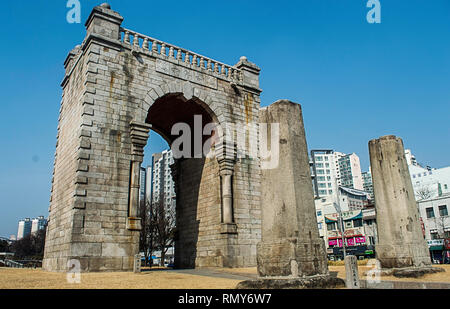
(216, 274)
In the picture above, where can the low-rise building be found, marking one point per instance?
(436, 226)
(360, 231)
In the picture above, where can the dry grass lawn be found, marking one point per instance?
(157, 279)
(11, 278)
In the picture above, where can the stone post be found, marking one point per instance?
(139, 137)
(250, 74)
(291, 253)
(400, 240)
(351, 272)
(104, 22)
(137, 264)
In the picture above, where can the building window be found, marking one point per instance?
(434, 235)
(331, 226)
(430, 212)
(443, 212)
(357, 223)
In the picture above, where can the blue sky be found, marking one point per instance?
(356, 81)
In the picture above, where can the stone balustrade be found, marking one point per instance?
(180, 55)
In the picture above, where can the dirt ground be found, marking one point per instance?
(156, 279)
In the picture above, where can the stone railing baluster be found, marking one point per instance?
(205, 64)
(126, 38)
(223, 70)
(145, 44)
(216, 68)
(155, 46)
(202, 63)
(136, 40)
(208, 66)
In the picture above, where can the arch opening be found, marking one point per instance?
(196, 187)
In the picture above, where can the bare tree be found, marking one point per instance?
(440, 224)
(158, 228)
(423, 193)
(163, 221)
(147, 235)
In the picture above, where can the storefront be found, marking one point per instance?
(439, 250)
(356, 243)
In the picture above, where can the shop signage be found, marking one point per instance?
(447, 243)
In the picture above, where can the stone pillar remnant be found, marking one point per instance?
(291, 253)
(400, 240)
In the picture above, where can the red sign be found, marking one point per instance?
(447, 244)
(423, 226)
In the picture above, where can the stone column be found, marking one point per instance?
(139, 136)
(226, 157)
(291, 253)
(400, 240)
(290, 245)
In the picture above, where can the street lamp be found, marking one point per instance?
(337, 206)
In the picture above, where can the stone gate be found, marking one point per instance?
(119, 85)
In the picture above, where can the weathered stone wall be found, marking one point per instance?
(400, 239)
(110, 83)
(66, 165)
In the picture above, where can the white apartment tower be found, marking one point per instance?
(330, 169)
(163, 186)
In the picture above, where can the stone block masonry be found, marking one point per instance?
(113, 80)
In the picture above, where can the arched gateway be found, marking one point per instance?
(118, 86)
(238, 205)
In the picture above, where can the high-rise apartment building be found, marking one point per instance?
(350, 170)
(28, 226)
(38, 224)
(368, 183)
(24, 228)
(163, 186)
(330, 169)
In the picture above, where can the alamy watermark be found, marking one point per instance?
(374, 15)
(374, 274)
(74, 272)
(242, 140)
(74, 14)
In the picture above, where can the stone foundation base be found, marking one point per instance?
(409, 272)
(312, 282)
